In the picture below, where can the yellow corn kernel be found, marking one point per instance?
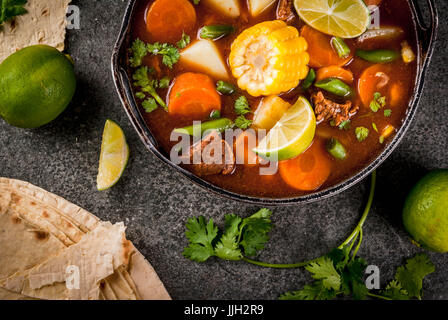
(386, 132)
(269, 58)
(407, 53)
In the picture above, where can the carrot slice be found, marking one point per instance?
(320, 50)
(372, 2)
(396, 94)
(335, 72)
(193, 96)
(309, 171)
(166, 20)
(373, 79)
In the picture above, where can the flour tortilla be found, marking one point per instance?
(45, 23)
(61, 224)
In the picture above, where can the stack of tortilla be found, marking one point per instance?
(53, 249)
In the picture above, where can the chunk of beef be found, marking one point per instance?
(285, 10)
(325, 109)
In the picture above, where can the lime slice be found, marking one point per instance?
(340, 18)
(292, 134)
(114, 156)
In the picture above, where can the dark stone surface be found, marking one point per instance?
(155, 201)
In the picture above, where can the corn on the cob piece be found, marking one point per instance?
(407, 53)
(269, 58)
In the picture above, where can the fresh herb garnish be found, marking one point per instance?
(170, 54)
(361, 133)
(374, 126)
(164, 83)
(345, 125)
(242, 123)
(378, 102)
(147, 85)
(184, 41)
(387, 112)
(149, 105)
(139, 51)
(241, 109)
(196, 2)
(9, 9)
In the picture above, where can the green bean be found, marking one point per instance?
(225, 87)
(341, 47)
(198, 129)
(215, 115)
(216, 31)
(336, 149)
(335, 86)
(378, 56)
(309, 80)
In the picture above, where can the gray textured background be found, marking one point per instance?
(155, 201)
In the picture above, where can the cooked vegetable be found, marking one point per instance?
(11, 9)
(309, 80)
(216, 32)
(341, 47)
(336, 149)
(378, 56)
(197, 130)
(383, 33)
(406, 52)
(269, 112)
(225, 87)
(320, 49)
(167, 20)
(193, 95)
(203, 55)
(308, 171)
(147, 85)
(269, 58)
(335, 86)
(361, 133)
(256, 7)
(397, 93)
(215, 114)
(386, 132)
(335, 72)
(372, 80)
(230, 8)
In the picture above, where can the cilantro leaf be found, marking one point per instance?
(411, 275)
(361, 133)
(387, 112)
(196, 2)
(255, 230)
(201, 236)
(9, 9)
(148, 85)
(139, 51)
(149, 105)
(316, 291)
(395, 291)
(242, 106)
(353, 279)
(243, 123)
(184, 41)
(170, 54)
(164, 83)
(323, 269)
(227, 248)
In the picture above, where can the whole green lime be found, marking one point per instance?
(425, 214)
(36, 85)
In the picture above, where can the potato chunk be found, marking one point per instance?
(270, 110)
(230, 8)
(256, 7)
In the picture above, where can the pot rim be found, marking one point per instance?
(425, 35)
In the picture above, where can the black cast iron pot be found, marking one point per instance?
(425, 34)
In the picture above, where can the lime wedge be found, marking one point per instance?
(340, 18)
(292, 134)
(114, 156)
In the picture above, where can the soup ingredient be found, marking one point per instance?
(197, 130)
(203, 55)
(335, 86)
(256, 7)
(291, 135)
(308, 171)
(215, 114)
(114, 156)
(225, 87)
(184, 41)
(372, 80)
(344, 18)
(361, 133)
(336, 149)
(309, 80)
(269, 112)
(215, 154)
(285, 10)
(148, 85)
(242, 236)
(378, 56)
(378, 102)
(387, 112)
(170, 54)
(138, 51)
(406, 52)
(230, 8)
(425, 213)
(10, 9)
(320, 49)
(386, 132)
(167, 20)
(383, 33)
(336, 113)
(335, 72)
(193, 95)
(269, 58)
(241, 109)
(36, 85)
(216, 32)
(340, 47)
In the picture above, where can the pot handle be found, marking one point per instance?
(427, 33)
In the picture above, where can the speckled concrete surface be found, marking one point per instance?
(155, 202)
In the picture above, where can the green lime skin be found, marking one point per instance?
(36, 85)
(425, 214)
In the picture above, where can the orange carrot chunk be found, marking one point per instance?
(193, 96)
(309, 171)
(320, 50)
(166, 20)
(335, 72)
(373, 79)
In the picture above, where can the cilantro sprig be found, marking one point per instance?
(241, 109)
(9, 9)
(148, 85)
